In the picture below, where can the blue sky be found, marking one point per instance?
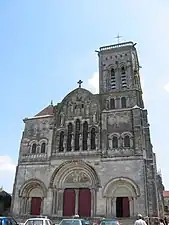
(46, 46)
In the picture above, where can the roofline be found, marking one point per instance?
(37, 117)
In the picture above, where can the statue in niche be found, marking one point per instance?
(94, 118)
(87, 108)
(61, 119)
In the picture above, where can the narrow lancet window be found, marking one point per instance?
(34, 148)
(61, 141)
(127, 141)
(115, 142)
(85, 135)
(43, 147)
(93, 139)
(69, 137)
(123, 102)
(77, 135)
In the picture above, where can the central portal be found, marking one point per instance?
(122, 207)
(77, 201)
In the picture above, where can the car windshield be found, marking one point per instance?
(34, 222)
(109, 222)
(70, 222)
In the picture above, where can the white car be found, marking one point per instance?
(38, 221)
(74, 222)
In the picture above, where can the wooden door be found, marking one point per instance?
(84, 209)
(126, 207)
(69, 202)
(36, 206)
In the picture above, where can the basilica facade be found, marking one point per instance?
(91, 154)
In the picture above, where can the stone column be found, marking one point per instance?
(76, 201)
(72, 143)
(21, 206)
(25, 205)
(80, 142)
(88, 141)
(54, 203)
(42, 204)
(60, 202)
(113, 206)
(29, 206)
(93, 202)
(131, 206)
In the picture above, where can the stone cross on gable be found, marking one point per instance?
(80, 83)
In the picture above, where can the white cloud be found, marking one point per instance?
(166, 87)
(6, 164)
(7, 172)
(93, 83)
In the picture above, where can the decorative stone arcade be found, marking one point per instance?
(32, 195)
(74, 186)
(121, 197)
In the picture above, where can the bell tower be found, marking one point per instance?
(119, 71)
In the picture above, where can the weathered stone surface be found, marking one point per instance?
(108, 171)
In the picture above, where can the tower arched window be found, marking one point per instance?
(77, 135)
(34, 148)
(113, 78)
(43, 147)
(93, 139)
(123, 102)
(115, 142)
(69, 137)
(61, 141)
(85, 135)
(127, 141)
(123, 70)
(112, 103)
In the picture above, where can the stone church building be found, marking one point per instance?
(91, 154)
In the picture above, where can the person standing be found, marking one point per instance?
(140, 220)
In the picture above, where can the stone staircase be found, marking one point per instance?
(127, 221)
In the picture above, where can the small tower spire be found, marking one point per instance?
(51, 103)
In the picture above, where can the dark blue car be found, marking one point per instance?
(7, 221)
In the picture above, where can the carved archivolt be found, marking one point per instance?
(33, 184)
(74, 172)
(123, 184)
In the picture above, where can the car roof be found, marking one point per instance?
(38, 218)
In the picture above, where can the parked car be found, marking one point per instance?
(38, 221)
(113, 221)
(74, 222)
(8, 221)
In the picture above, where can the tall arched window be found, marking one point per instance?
(77, 134)
(85, 135)
(113, 78)
(93, 139)
(69, 137)
(61, 141)
(127, 141)
(112, 103)
(123, 70)
(34, 148)
(115, 142)
(43, 147)
(123, 102)
(123, 77)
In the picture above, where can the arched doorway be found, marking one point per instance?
(121, 194)
(32, 195)
(75, 184)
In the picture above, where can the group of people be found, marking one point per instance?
(140, 221)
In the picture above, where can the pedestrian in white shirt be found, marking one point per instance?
(140, 220)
